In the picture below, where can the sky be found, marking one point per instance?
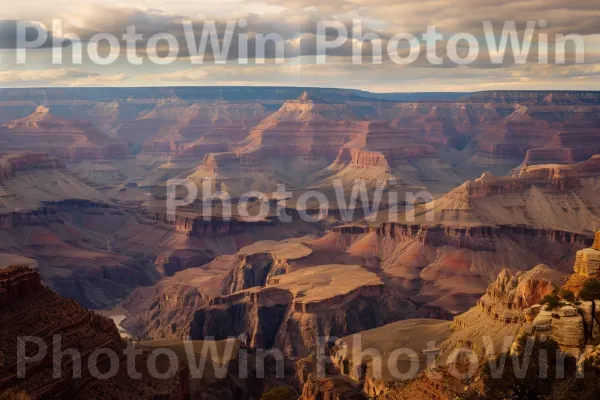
(296, 23)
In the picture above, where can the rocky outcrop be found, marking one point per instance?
(305, 126)
(168, 308)
(536, 96)
(582, 137)
(12, 163)
(65, 139)
(587, 266)
(255, 315)
(167, 122)
(506, 299)
(295, 309)
(367, 359)
(260, 263)
(512, 305)
(270, 296)
(478, 238)
(38, 311)
(197, 226)
(16, 282)
(329, 389)
(200, 150)
(589, 168)
(254, 270)
(587, 263)
(564, 324)
(488, 184)
(72, 260)
(548, 156)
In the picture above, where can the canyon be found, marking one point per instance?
(505, 208)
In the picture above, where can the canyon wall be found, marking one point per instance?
(12, 163)
(30, 309)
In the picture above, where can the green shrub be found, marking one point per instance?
(551, 301)
(562, 380)
(567, 295)
(590, 290)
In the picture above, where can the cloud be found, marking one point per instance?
(99, 80)
(186, 75)
(9, 29)
(44, 75)
(295, 22)
(62, 76)
(296, 25)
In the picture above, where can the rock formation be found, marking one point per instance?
(509, 295)
(83, 197)
(173, 123)
(11, 163)
(587, 265)
(274, 294)
(28, 309)
(66, 139)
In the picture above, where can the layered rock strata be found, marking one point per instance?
(66, 139)
(29, 309)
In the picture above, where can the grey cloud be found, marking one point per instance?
(8, 34)
(297, 26)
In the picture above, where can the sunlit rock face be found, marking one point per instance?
(66, 139)
(587, 265)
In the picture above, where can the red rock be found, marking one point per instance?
(65, 139)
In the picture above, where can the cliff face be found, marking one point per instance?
(255, 316)
(305, 126)
(271, 294)
(16, 282)
(474, 238)
(512, 302)
(506, 299)
(253, 270)
(11, 164)
(447, 268)
(27, 309)
(197, 226)
(73, 261)
(66, 139)
(542, 197)
(330, 389)
(548, 156)
(587, 266)
(163, 122)
(509, 308)
(365, 308)
(489, 185)
(272, 317)
(443, 269)
(572, 97)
